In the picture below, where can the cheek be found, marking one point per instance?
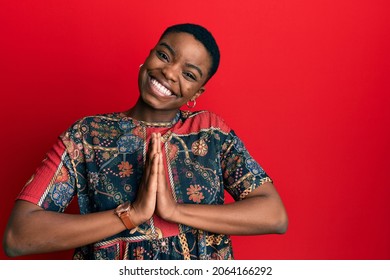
(189, 91)
(152, 61)
(141, 76)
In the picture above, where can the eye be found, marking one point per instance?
(189, 75)
(163, 56)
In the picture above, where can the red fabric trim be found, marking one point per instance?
(203, 120)
(36, 186)
(167, 228)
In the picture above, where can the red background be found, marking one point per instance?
(303, 83)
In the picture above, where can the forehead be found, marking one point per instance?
(187, 48)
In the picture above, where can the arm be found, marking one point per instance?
(32, 229)
(261, 212)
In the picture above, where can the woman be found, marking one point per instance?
(150, 181)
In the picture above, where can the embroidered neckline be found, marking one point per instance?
(154, 124)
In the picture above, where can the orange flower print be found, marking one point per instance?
(199, 148)
(126, 169)
(138, 131)
(94, 125)
(95, 141)
(195, 194)
(63, 175)
(94, 133)
(173, 151)
(114, 133)
(106, 156)
(138, 253)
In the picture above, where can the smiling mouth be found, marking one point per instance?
(160, 89)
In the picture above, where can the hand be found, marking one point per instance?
(144, 205)
(166, 206)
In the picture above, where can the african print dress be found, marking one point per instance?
(100, 160)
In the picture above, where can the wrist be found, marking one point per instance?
(175, 214)
(124, 213)
(137, 217)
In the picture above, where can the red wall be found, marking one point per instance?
(304, 83)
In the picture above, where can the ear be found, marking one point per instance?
(198, 93)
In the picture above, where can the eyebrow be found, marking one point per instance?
(189, 65)
(172, 51)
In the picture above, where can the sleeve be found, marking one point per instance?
(54, 183)
(241, 173)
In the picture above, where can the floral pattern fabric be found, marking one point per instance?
(100, 159)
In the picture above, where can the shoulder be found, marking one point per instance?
(101, 118)
(80, 136)
(206, 120)
(88, 123)
(98, 119)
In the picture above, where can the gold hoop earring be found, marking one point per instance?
(193, 104)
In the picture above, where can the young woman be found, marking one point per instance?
(149, 182)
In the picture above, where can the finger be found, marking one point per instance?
(149, 155)
(154, 148)
(161, 173)
(161, 161)
(153, 174)
(158, 142)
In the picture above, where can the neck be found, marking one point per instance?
(143, 112)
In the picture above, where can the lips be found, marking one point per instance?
(159, 88)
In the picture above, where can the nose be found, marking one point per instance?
(170, 72)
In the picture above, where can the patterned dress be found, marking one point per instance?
(100, 160)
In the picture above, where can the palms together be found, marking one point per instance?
(154, 195)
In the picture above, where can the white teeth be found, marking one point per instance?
(163, 90)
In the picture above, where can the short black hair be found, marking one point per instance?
(202, 35)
